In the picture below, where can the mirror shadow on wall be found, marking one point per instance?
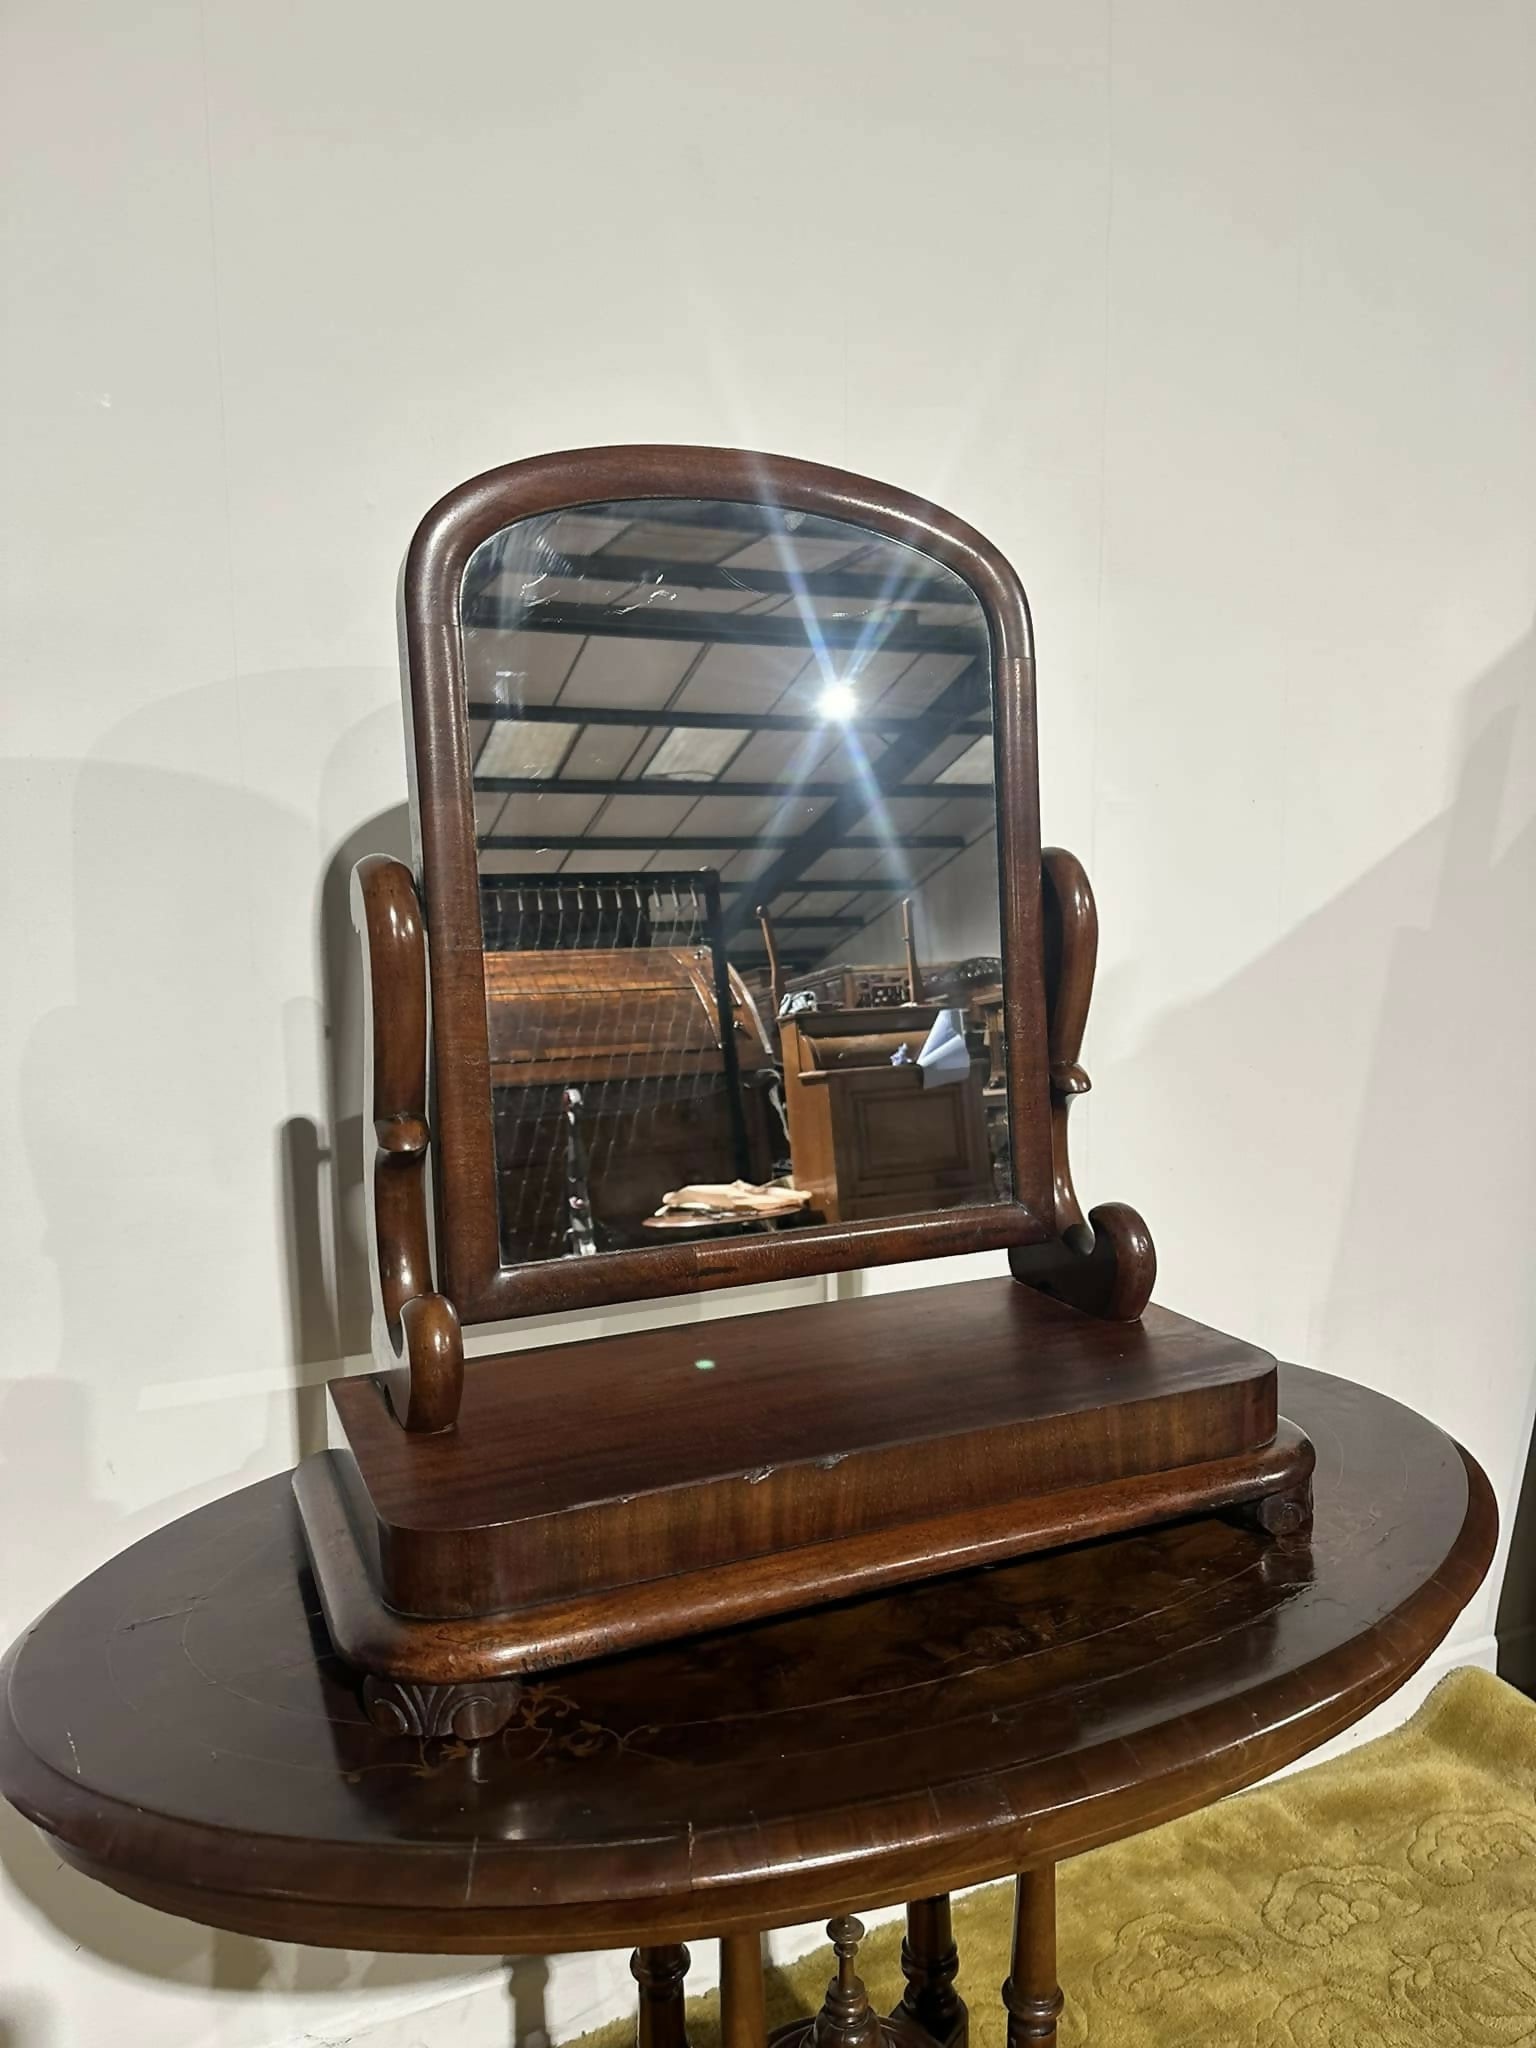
(736, 827)
(1409, 1007)
(191, 844)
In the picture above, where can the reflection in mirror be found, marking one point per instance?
(733, 775)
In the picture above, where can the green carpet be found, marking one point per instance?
(1386, 1900)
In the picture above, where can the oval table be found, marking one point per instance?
(179, 1727)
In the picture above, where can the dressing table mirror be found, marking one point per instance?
(731, 955)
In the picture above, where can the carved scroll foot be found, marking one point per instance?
(1106, 1268)
(1106, 1265)
(426, 1390)
(472, 1712)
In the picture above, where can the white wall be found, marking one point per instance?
(1217, 317)
(955, 914)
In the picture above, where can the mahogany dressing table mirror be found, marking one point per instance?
(731, 956)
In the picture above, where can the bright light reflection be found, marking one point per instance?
(837, 701)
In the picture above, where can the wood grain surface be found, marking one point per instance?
(178, 1724)
(630, 1458)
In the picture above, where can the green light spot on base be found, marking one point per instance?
(703, 1365)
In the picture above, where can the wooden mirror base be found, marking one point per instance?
(605, 1495)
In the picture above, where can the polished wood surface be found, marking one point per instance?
(472, 1273)
(660, 1973)
(439, 1659)
(793, 1432)
(1046, 1398)
(741, 1991)
(181, 1727)
(1031, 1995)
(930, 1962)
(827, 1459)
(1104, 1264)
(416, 1333)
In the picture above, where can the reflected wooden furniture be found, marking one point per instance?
(853, 988)
(180, 1729)
(868, 1139)
(663, 1091)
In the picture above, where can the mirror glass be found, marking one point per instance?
(733, 772)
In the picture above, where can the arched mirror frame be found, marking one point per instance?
(469, 1268)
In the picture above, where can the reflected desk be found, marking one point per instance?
(178, 1725)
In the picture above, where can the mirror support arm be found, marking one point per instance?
(1104, 1264)
(417, 1342)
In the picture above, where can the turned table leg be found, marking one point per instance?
(930, 1963)
(1032, 1995)
(660, 1972)
(743, 2021)
(847, 2019)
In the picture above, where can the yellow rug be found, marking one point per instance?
(1386, 1900)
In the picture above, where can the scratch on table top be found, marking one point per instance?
(469, 1875)
(170, 1614)
(69, 1738)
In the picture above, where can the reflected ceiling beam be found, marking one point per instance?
(711, 842)
(722, 721)
(827, 924)
(618, 568)
(895, 634)
(867, 887)
(726, 515)
(968, 694)
(691, 791)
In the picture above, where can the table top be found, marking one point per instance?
(178, 1723)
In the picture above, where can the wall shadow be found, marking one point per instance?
(1367, 1188)
(147, 1135)
(527, 1987)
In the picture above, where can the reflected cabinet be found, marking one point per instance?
(730, 954)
